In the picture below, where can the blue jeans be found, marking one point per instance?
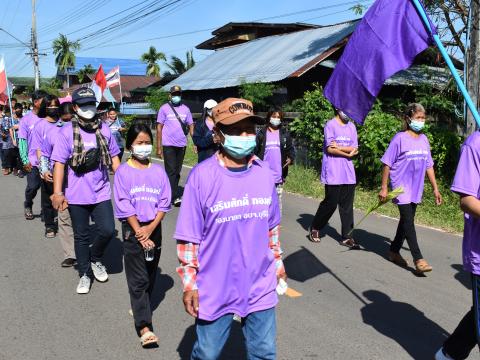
(259, 329)
(102, 216)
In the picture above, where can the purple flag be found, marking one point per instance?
(386, 41)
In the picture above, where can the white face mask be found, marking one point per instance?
(209, 112)
(87, 111)
(142, 152)
(275, 121)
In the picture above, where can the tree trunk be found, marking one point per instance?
(473, 65)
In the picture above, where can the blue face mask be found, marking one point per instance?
(176, 99)
(239, 146)
(416, 125)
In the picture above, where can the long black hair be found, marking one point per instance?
(133, 132)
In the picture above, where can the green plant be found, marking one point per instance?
(308, 129)
(151, 58)
(156, 97)
(257, 93)
(84, 72)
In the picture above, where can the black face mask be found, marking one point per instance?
(53, 113)
(18, 113)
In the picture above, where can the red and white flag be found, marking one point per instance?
(3, 76)
(99, 84)
(113, 77)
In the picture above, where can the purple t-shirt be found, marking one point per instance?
(25, 131)
(141, 192)
(92, 187)
(273, 156)
(172, 133)
(40, 132)
(338, 170)
(467, 182)
(49, 140)
(408, 159)
(230, 218)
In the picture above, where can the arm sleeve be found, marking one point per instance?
(188, 257)
(23, 148)
(44, 162)
(123, 205)
(275, 247)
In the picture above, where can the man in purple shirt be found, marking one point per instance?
(467, 184)
(28, 152)
(228, 246)
(174, 123)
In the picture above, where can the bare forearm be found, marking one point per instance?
(115, 163)
(346, 149)
(58, 174)
(385, 175)
(159, 136)
(432, 179)
(337, 152)
(133, 222)
(191, 128)
(470, 205)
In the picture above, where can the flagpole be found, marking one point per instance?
(449, 62)
(8, 93)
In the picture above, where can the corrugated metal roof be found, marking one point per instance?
(137, 109)
(127, 66)
(268, 59)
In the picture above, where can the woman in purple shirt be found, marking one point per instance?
(406, 160)
(340, 146)
(142, 197)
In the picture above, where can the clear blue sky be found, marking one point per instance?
(130, 41)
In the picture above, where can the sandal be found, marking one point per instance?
(50, 233)
(350, 243)
(314, 235)
(29, 214)
(421, 266)
(149, 339)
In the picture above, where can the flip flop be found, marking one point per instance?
(350, 243)
(149, 339)
(314, 235)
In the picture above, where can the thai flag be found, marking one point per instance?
(113, 77)
(99, 84)
(3, 77)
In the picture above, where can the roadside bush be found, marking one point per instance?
(257, 93)
(156, 98)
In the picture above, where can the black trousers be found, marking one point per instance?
(459, 345)
(9, 161)
(406, 230)
(48, 211)
(173, 157)
(141, 274)
(33, 184)
(336, 195)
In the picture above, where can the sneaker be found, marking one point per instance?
(50, 233)
(69, 262)
(440, 355)
(177, 202)
(84, 285)
(99, 271)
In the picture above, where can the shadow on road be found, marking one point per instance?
(234, 348)
(462, 276)
(403, 323)
(163, 283)
(302, 265)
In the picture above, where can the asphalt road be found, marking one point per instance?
(355, 304)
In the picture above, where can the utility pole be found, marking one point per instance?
(35, 47)
(473, 64)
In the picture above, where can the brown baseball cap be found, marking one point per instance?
(233, 110)
(175, 89)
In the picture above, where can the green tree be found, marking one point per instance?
(258, 93)
(64, 51)
(151, 58)
(178, 67)
(84, 72)
(156, 97)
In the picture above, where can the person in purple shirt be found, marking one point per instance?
(49, 123)
(174, 123)
(275, 147)
(340, 146)
(87, 150)
(142, 197)
(405, 162)
(227, 239)
(467, 185)
(28, 153)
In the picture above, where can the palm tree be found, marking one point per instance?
(65, 53)
(84, 72)
(150, 58)
(178, 66)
